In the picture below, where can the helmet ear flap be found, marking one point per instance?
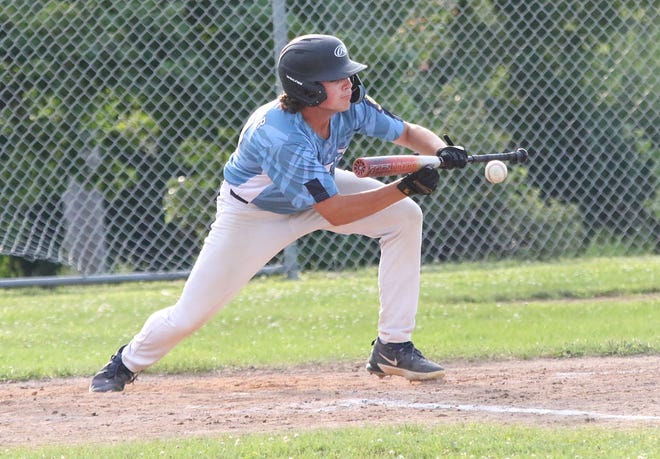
(358, 90)
(311, 93)
(314, 93)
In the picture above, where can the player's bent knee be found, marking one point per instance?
(410, 212)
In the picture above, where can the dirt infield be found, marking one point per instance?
(616, 392)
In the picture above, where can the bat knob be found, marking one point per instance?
(521, 156)
(360, 168)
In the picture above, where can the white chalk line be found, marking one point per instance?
(498, 409)
(581, 374)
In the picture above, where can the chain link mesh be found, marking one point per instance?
(116, 118)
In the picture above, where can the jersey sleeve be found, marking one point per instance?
(375, 121)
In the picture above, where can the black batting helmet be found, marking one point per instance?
(309, 59)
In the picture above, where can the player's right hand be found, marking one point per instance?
(452, 157)
(424, 181)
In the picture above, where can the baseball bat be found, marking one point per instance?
(381, 166)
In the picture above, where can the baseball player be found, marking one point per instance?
(282, 182)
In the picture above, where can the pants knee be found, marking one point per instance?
(410, 213)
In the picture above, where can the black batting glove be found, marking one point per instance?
(452, 157)
(424, 181)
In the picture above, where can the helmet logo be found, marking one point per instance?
(298, 82)
(340, 51)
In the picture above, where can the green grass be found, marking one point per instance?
(599, 306)
(474, 440)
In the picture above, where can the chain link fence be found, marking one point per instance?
(116, 118)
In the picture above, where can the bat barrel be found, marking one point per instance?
(381, 166)
(518, 156)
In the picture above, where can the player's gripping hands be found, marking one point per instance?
(452, 157)
(424, 181)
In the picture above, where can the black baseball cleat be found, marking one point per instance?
(112, 377)
(402, 359)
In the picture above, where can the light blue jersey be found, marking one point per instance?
(283, 166)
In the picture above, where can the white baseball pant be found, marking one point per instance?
(244, 238)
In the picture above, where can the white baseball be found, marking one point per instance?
(495, 171)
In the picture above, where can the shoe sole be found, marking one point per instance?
(105, 389)
(107, 385)
(385, 370)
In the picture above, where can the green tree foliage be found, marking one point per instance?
(108, 92)
(577, 102)
(143, 101)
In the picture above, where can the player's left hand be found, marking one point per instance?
(424, 181)
(452, 157)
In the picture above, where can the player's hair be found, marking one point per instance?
(291, 104)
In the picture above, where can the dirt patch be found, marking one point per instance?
(616, 392)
